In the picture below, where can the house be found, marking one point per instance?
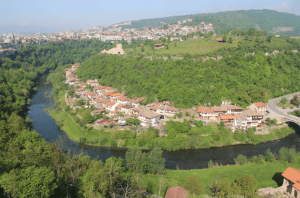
(141, 99)
(137, 110)
(155, 108)
(254, 119)
(126, 109)
(92, 83)
(291, 182)
(219, 109)
(259, 107)
(171, 111)
(228, 119)
(148, 118)
(75, 66)
(240, 121)
(232, 109)
(113, 113)
(83, 85)
(114, 96)
(91, 95)
(119, 106)
(103, 122)
(219, 39)
(97, 111)
(123, 100)
(111, 106)
(79, 91)
(176, 192)
(134, 102)
(206, 114)
(98, 88)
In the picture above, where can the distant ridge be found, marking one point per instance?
(269, 20)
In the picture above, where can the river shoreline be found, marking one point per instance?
(185, 159)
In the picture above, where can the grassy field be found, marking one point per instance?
(267, 175)
(197, 46)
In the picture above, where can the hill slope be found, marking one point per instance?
(244, 19)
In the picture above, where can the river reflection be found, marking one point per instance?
(185, 159)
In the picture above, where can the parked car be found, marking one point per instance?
(292, 107)
(283, 108)
(105, 126)
(267, 111)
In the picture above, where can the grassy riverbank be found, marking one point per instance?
(267, 175)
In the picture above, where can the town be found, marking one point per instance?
(11, 42)
(109, 100)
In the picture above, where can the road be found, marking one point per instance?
(282, 112)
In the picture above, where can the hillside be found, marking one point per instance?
(186, 83)
(261, 19)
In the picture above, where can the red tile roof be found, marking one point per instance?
(205, 110)
(122, 98)
(148, 114)
(108, 88)
(233, 107)
(260, 104)
(176, 192)
(218, 108)
(76, 64)
(119, 106)
(92, 94)
(141, 99)
(155, 107)
(111, 104)
(226, 117)
(169, 108)
(293, 175)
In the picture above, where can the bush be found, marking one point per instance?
(241, 160)
(187, 113)
(102, 140)
(82, 140)
(113, 143)
(193, 185)
(247, 185)
(210, 164)
(270, 157)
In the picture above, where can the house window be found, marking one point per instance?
(295, 193)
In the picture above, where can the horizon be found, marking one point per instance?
(55, 16)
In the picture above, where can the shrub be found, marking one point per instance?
(247, 185)
(270, 157)
(187, 113)
(193, 185)
(113, 143)
(102, 140)
(241, 160)
(82, 140)
(210, 164)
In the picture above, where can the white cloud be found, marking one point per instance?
(283, 7)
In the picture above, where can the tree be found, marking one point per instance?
(284, 100)
(156, 161)
(193, 185)
(94, 182)
(247, 184)
(230, 40)
(224, 38)
(295, 100)
(30, 182)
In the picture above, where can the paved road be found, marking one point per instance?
(282, 112)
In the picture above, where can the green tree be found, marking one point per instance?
(224, 38)
(295, 100)
(284, 100)
(230, 40)
(193, 185)
(156, 161)
(31, 182)
(247, 185)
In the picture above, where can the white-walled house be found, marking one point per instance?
(148, 118)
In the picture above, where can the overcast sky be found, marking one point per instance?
(80, 14)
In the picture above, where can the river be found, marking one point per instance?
(185, 159)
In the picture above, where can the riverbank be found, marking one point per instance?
(124, 139)
(268, 174)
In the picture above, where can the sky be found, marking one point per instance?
(70, 15)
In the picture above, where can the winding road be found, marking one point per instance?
(283, 112)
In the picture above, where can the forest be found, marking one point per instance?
(242, 78)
